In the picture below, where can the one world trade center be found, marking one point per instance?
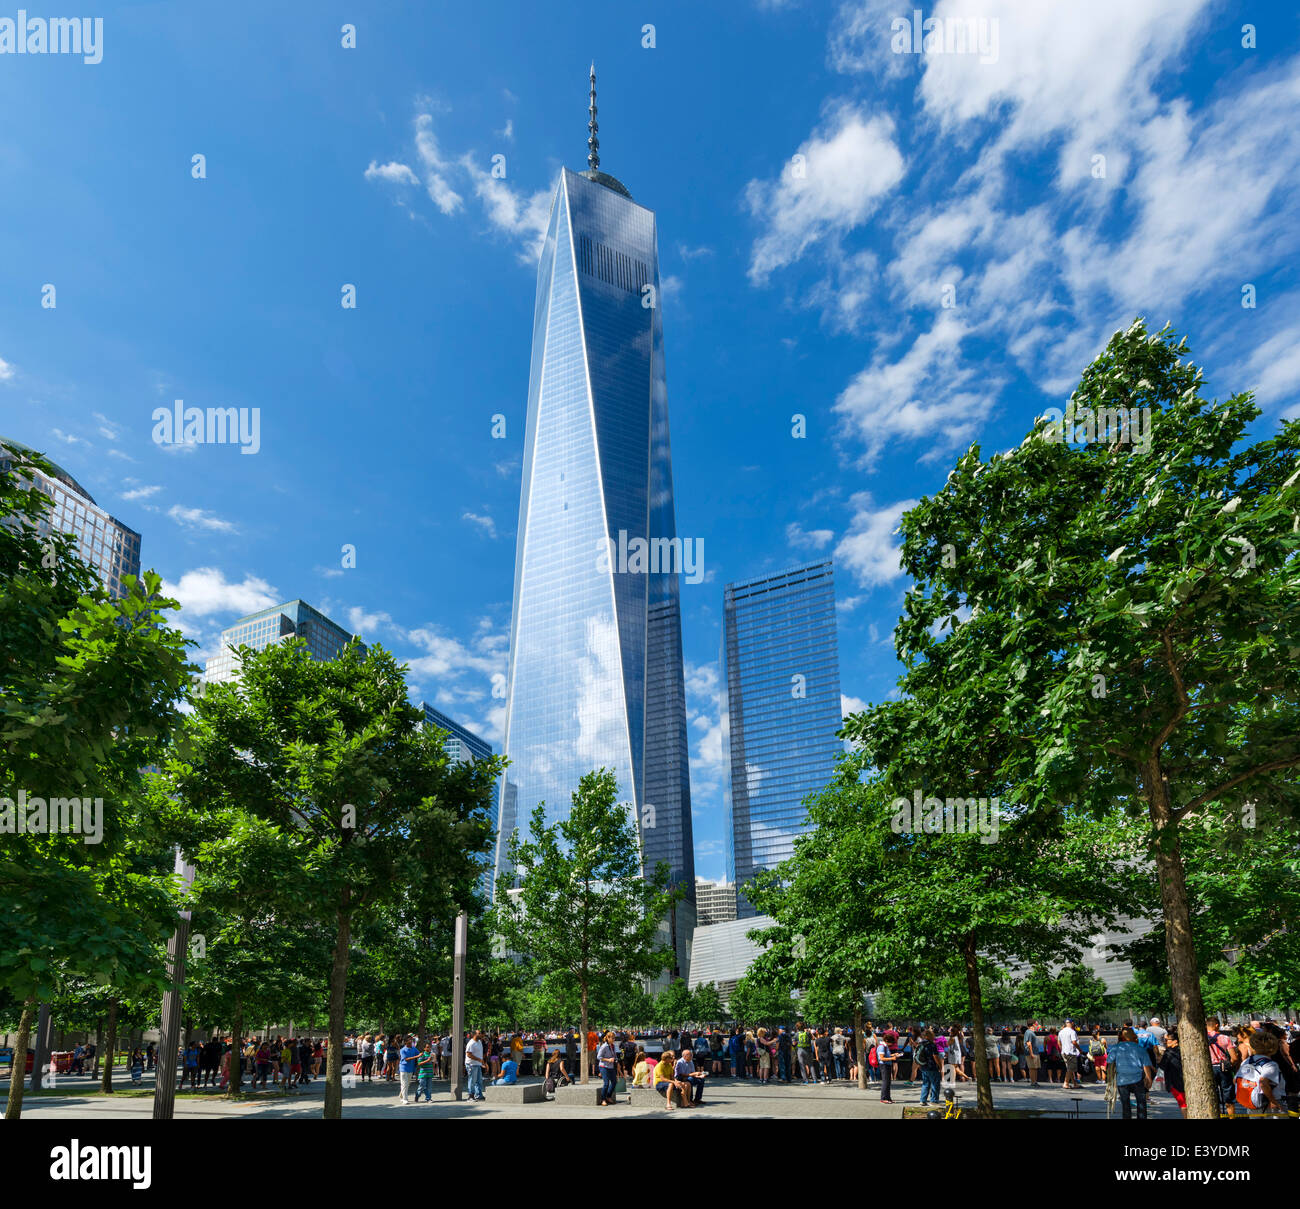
(595, 675)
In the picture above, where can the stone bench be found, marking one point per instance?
(514, 1093)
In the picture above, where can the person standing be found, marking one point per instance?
(474, 1064)
(1133, 1072)
(1097, 1052)
(926, 1057)
(822, 1056)
(782, 1055)
(1069, 1041)
(803, 1052)
(1033, 1053)
(885, 1059)
(840, 1054)
(407, 1058)
(607, 1063)
(425, 1066)
(1223, 1056)
(1171, 1062)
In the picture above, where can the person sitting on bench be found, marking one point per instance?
(665, 1081)
(686, 1074)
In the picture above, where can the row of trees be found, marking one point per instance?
(1104, 644)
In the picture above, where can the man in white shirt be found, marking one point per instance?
(1157, 1031)
(1069, 1040)
(474, 1065)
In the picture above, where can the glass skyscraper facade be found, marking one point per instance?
(595, 672)
(295, 619)
(781, 708)
(103, 541)
(462, 744)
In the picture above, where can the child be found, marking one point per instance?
(426, 1064)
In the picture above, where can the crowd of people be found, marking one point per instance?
(1256, 1065)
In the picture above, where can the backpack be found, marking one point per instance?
(803, 1038)
(549, 1087)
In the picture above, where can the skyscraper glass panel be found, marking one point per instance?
(102, 540)
(595, 675)
(781, 680)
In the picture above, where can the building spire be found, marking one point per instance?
(593, 137)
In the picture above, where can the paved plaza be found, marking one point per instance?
(722, 1098)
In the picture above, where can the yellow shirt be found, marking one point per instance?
(641, 1074)
(664, 1071)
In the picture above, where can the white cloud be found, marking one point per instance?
(366, 624)
(197, 518)
(392, 173)
(67, 438)
(523, 217)
(6, 370)
(807, 539)
(927, 394)
(485, 523)
(846, 167)
(507, 132)
(435, 167)
(851, 705)
(868, 548)
(444, 657)
(140, 493)
(206, 590)
(117, 453)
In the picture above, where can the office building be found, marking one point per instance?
(715, 902)
(294, 619)
(595, 666)
(781, 708)
(103, 541)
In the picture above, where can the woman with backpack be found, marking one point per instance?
(1097, 1052)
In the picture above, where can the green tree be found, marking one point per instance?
(673, 1005)
(334, 756)
(706, 1004)
(89, 687)
(583, 914)
(1123, 616)
(757, 999)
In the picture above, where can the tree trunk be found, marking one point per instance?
(236, 1066)
(582, 1037)
(333, 1110)
(99, 1047)
(422, 1027)
(18, 1072)
(984, 1088)
(110, 1043)
(1180, 951)
(859, 1041)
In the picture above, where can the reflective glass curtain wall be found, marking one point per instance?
(595, 676)
(781, 709)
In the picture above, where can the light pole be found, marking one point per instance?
(458, 1008)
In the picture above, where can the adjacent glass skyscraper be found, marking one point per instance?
(781, 682)
(595, 675)
(103, 541)
(325, 639)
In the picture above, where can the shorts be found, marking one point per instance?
(1032, 1061)
(1071, 1064)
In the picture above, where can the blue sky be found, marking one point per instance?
(812, 286)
